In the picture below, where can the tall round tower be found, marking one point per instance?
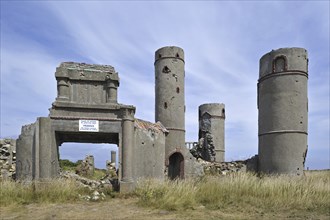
(283, 107)
(212, 131)
(169, 88)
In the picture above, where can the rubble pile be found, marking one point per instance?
(86, 167)
(95, 196)
(107, 183)
(7, 159)
(223, 168)
(111, 168)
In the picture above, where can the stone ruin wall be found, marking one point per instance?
(224, 168)
(8, 164)
(7, 159)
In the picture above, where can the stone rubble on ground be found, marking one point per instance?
(95, 186)
(224, 168)
(7, 159)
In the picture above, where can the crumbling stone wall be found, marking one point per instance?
(223, 168)
(205, 147)
(211, 134)
(149, 149)
(7, 159)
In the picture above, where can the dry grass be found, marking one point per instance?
(55, 191)
(238, 196)
(240, 191)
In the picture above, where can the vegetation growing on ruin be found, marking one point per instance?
(70, 166)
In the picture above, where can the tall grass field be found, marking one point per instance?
(239, 192)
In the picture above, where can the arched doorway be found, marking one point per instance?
(176, 166)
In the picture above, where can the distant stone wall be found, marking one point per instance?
(7, 159)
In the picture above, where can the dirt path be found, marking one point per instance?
(128, 209)
(112, 209)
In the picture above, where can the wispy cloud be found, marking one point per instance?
(223, 42)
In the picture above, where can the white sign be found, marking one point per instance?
(89, 125)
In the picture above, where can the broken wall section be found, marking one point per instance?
(211, 134)
(149, 151)
(37, 156)
(224, 168)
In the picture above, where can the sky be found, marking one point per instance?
(222, 40)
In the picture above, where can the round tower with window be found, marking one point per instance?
(283, 108)
(169, 92)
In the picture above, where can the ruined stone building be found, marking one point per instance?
(86, 110)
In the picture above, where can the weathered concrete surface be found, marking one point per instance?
(85, 92)
(170, 111)
(283, 111)
(149, 149)
(211, 133)
(37, 156)
(70, 75)
(127, 178)
(170, 101)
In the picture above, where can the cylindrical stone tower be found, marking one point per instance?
(169, 89)
(212, 130)
(283, 107)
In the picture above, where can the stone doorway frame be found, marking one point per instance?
(175, 165)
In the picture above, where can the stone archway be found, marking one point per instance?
(85, 111)
(176, 166)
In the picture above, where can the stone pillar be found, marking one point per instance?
(25, 154)
(45, 149)
(90, 164)
(126, 183)
(212, 130)
(112, 91)
(113, 156)
(283, 107)
(170, 99)
(63, 92)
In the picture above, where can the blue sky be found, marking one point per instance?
(223, 42)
